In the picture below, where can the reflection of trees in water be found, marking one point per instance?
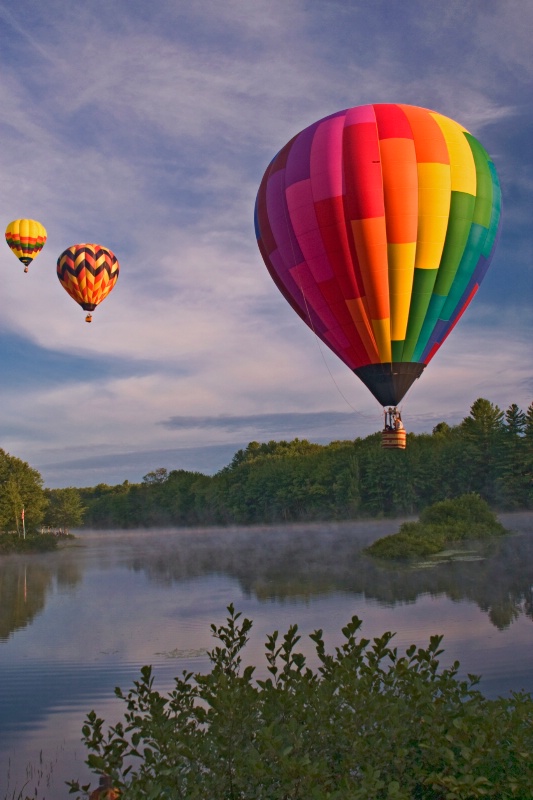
(24, 585)
(300, 562)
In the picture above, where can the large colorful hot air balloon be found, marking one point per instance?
(377, 224)
(26, 237)
(88, 272)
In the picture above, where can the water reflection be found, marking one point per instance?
(76, 623)
(302, 562)
(25, 583)
(286, 563)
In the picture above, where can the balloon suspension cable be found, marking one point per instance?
(309, 317)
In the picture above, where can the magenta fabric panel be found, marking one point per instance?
(298, 158)
(290, 289)
(326, 160)
(337, 334)
(267, 242)
(305, 225)
(354, 116)
(302, 214)
(278, 215)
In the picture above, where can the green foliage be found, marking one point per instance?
(20, 487)
(441, 524)
(65, 509)
(368, 723)
(33, 543)
(489, 453)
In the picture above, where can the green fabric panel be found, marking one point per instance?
(423, 283)
(432, 317)
(461, 212)
(397, 350)
(483, 209)
(468, 264)
(496, 212)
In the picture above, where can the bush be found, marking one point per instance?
(33, 543)
(368, 723)
(441, 524)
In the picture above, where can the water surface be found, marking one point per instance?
(76, 623)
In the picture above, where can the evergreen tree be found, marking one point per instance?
(514, 472)
(484, 431)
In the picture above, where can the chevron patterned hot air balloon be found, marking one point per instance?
(378, 224)
(88, 272)
(26, 238)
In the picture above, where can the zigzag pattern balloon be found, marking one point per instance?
(88, 272)
(378, 224)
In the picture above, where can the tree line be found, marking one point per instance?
(490, 453)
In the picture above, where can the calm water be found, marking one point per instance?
(76, 623)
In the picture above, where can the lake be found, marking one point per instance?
(78, 622)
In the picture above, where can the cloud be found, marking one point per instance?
(148, 132)
(264, 424)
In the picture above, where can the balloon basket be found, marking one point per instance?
(394, 440)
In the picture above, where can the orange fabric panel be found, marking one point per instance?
(430, 144)
(370, 239)
(400, 188)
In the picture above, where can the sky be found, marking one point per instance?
(147, 127)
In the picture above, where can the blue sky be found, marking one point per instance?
(146, 127)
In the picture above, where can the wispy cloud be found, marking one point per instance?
(149, 133)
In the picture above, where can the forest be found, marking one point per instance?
(490, 453)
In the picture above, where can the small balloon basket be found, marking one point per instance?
(393, 440)
(393, 436)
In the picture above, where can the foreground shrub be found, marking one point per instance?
(368, 723)
(441, 524)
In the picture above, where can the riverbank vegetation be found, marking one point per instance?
(489, 453)
(440, 525)
(368, 722)
(33, 543)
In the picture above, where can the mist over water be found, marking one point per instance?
(76, 623)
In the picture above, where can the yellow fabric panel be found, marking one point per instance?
(401, 271)
(381, 328)
(359, 313)
(462, 166)
(434, 195)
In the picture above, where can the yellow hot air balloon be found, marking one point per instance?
(26, 237)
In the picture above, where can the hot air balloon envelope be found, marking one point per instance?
(26, 238)
(88, 272)
(377, 224)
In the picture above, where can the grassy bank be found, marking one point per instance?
(33, 543)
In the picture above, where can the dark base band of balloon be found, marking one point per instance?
(390, 382)
(88, 306)
(26, 260)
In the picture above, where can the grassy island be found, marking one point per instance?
(32, 543)
(440, 525)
